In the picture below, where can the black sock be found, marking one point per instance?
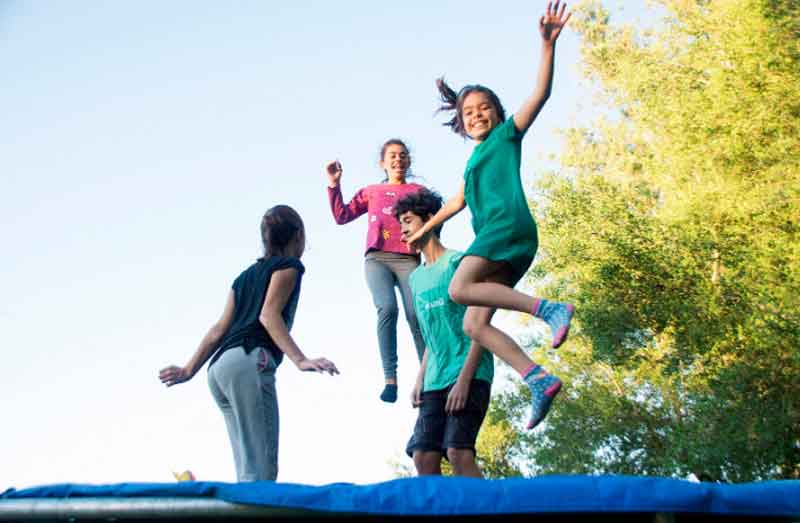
(389, 394)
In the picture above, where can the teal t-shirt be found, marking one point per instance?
(502, 222)
(441, 321)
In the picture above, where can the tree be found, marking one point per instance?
(673, 225)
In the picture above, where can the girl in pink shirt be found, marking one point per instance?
(388, 260)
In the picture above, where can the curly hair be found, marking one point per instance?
(452, 101)
(423, 203)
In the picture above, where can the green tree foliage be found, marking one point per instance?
(673, 226)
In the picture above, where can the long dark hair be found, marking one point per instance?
(279, 226)
(452, 101)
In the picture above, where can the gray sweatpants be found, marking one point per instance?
(385, 271)
(243, 385)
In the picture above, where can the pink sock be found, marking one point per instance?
(536, 303)
(530, 369)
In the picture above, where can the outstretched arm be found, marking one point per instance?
(280, 289)
(550, 26)
(452, 207)
(173, 375)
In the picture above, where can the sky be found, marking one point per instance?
(140, 144)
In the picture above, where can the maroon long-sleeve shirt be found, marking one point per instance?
(383, 233)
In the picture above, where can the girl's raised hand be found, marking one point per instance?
(334, 171)
(553, 21)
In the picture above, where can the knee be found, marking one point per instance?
(387, 311)
(472, 327)
(456, 292)
(462, 460)
(427, 463)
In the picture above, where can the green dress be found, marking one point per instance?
(502, 222)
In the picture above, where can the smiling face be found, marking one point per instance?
(395, 162)
(479, 115)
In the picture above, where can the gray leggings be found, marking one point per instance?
(385, 271)
(243, 385)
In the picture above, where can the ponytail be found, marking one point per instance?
(449, 103)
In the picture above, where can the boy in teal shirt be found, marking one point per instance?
(454, 381)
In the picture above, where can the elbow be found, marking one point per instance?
(339, 217)
(544, 96)
(269, 321)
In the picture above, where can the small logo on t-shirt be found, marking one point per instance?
(439, 302)
(387, 211)
(372, 218)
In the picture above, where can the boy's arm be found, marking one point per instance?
(457, 399)
(173, 374)
(416, 401)
(550, 26)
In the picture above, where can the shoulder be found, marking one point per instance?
(277, 263)
(454, 257)
(508, 130)
(252, 269)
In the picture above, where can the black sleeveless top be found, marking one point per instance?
(250, 291)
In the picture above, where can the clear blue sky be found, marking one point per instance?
(141, 142)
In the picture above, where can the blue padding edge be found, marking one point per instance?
(465, 496)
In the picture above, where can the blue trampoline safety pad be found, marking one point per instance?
(464, 496)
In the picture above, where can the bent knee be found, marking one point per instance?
(387, 310)
(473, 327)
(456, 292)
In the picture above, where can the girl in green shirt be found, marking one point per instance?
(505, 233)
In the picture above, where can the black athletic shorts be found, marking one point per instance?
(437, 431)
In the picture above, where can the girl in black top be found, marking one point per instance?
(248, 342)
